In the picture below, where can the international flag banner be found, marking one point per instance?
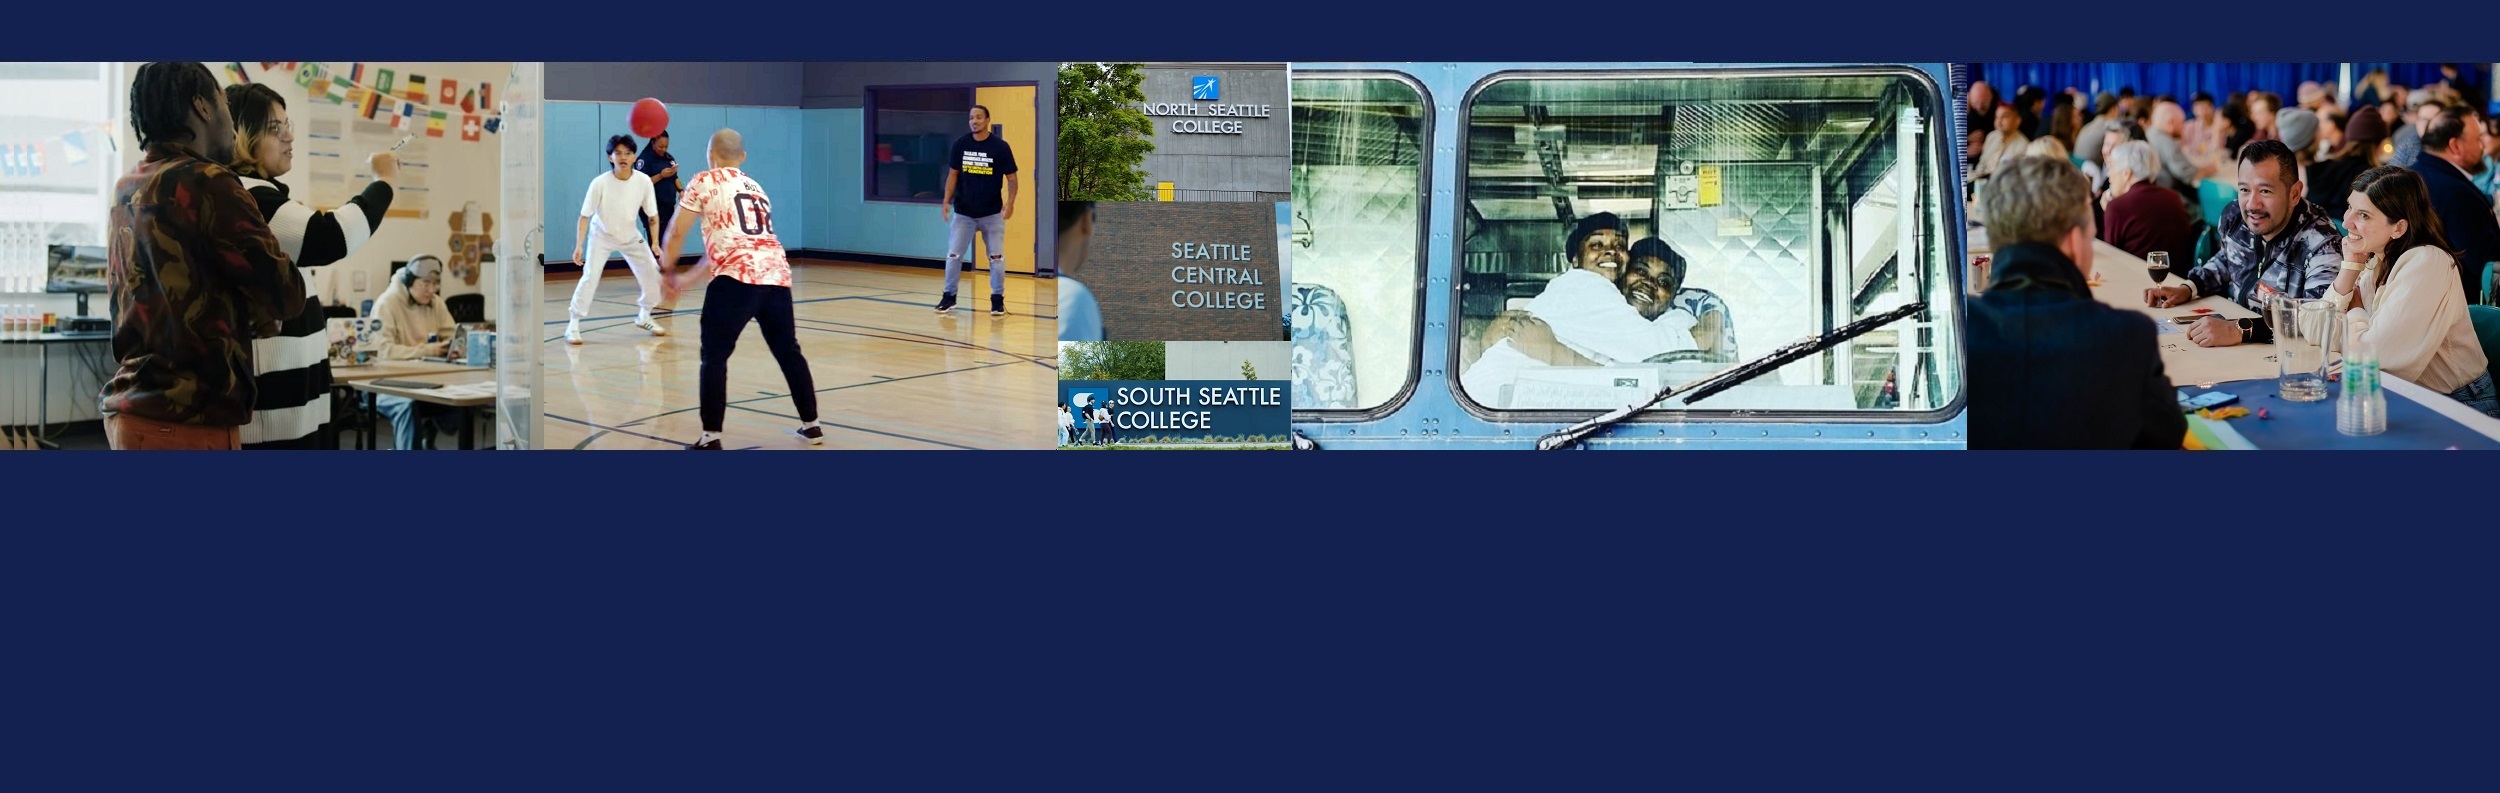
(268, 65)
(35, 152)
(304, 76)
(383, 80)
(468, 102)
(416, 87)
(486, 96)
(494, 124)
(434, 124)
(290, 65)
(320, 87)
(356, 74)
(356, 97)
(369, 103)
(399, 121)
(74, 147)
(235, 70)
(469, 128)
(450, 91)
(338, 92)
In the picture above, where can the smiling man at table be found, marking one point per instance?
(2273, 242)
(2051, 367)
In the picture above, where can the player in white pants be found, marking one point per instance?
(617, 203)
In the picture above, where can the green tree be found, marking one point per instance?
(1104, 135)
(1111, 360)
(1248, 372)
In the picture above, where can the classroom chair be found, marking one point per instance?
(2486, 321)
(2214, 195)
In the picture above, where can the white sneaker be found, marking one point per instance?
(646, 323)
(573, 335)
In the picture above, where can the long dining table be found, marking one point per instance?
(2418, 418)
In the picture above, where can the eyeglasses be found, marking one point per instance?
(278, 129)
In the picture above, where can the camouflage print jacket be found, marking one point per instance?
(2303, 259)
(195, 276)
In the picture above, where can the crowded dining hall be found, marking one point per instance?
(2232, 256)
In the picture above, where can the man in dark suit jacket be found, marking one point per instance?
(2449, 143)
(2051, 368)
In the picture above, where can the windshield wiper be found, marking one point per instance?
(1730, 378)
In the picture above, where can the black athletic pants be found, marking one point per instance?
(728, 304)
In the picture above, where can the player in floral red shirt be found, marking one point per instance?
(749, 281)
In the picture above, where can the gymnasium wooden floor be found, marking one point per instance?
(890, 372)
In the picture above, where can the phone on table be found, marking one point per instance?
(2210, 399)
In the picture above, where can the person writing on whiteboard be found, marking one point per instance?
(193, 271)
(414, 327)
(294, 367)
(1080, 318)
(975, 168)
(617, 200)
(2401, 285)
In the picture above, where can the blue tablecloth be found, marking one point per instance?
(2311, 425)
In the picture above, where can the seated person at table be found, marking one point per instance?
(2050, 367)
(2168, 132)
(1654, 284)
(2331, 178)
(2003, 145)
(2397, 268)
(2451, 143)
(1582, 317)
(2272, 242)
(2138, 216)
(415, 324)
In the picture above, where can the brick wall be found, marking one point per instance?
(1129, 268)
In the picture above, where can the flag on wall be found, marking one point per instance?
(493, 123)
(450, 91)
(338, 92)
(434, 124)
(468, 102)
(369, 104)
(268, 65)
(469, 128)
(356, 74)
(486, 95)
(74, 147)
(304, 76)
(383, 81)
(416, 87)
(320, 87)
(235, 70)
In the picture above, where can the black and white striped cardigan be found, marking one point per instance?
(293, 368)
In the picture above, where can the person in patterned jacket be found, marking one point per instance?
(193, 270)
(2273, 242)
(293, 368)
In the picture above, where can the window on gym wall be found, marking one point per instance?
(1357, 233)
(909, 130)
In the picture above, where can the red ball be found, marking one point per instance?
(650, 118)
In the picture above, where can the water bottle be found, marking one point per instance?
(2362, 408)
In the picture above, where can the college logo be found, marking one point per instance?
(1202, 89)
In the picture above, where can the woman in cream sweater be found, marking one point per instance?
(2396, 265)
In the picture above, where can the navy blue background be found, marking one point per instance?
(1213, 621)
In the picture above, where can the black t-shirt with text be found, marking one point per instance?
(981, 169)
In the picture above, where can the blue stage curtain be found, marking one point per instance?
(2183, 80)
